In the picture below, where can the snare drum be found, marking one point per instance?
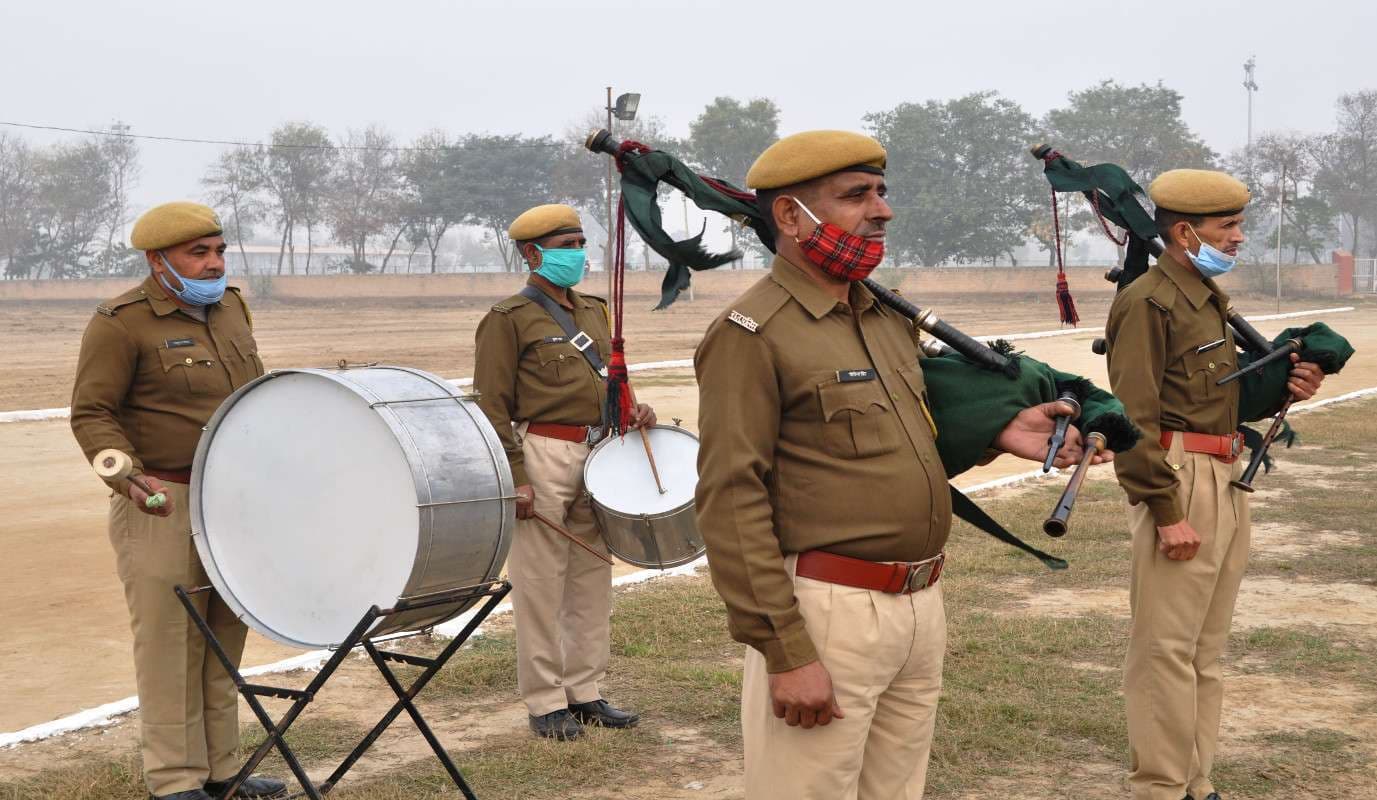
(640, 525)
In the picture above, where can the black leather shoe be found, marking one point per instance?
(189, 794)
(600, 712)
(558, 724)
(250, 789)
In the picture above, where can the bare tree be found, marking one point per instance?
(121, 153)
(234, 183)
(18, 187)
(1347, 173)
(363, 191)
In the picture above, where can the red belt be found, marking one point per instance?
(170, 475)
(1224, 446)
(904, 577)
(587, 434)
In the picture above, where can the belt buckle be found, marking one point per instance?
(593, 436)
(918, 576)
(1235, 446)
(581, 341)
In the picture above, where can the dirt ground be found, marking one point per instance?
(67, 643)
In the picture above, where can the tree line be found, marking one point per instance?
(962, 183)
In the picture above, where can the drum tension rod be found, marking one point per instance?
(416, 400)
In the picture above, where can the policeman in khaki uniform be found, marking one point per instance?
(1168, 343)
(821, 496)
(155, 363)
(538, 374)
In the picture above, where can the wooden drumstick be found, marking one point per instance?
(117, 465)
(649, 454)
(557, 528)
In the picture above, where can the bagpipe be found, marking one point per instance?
(1264, 365)
(975, 389)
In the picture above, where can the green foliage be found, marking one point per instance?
(959, 178)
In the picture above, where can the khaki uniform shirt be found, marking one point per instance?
(150, 376)
(1168, 341)
(526, 369)
(815, 436)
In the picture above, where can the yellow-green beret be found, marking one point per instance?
(174, 223)
(813, 154)
(1199, 192)
(542, 221)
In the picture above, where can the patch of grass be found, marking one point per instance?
(1284, 761)
(117, 779)
(1011, 695)
(485, 666)
(1316, 654)
(314, 740)
(521, 766)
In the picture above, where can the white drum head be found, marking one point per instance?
(309, 513)
(618, 474)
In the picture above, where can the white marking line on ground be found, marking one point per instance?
(41, 414)
(1014, 337)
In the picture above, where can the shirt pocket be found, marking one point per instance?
(857, 422)
(192, 369)
(559, 362)
(1203, 370)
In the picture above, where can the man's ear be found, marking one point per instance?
(532, 255)
(787, 214)
(1181, 232)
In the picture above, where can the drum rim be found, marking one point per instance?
(405, 442)
(601, 509)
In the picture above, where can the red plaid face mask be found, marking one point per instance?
(842, 255)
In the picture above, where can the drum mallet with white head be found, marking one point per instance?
(117, 465)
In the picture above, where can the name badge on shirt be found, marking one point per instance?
(855, 375)
(554, 339)
(171, 343)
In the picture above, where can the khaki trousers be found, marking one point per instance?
(1182, 611)
(188, 707)
(561, 594)
(884, 654)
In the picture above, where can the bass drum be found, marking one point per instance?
(640, 525)
(317, 494)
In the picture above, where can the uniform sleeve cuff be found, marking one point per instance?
(790, 651)
(1165, 510)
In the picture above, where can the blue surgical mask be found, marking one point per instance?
(563, 266)
(195, 291)
(1211, 262)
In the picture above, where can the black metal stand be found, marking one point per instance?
(300, 698)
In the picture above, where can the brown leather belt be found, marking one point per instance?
(1224, 446)
(904, 577)
(585, 434)
(170, 475)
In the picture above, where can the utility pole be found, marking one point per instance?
(1251, 86)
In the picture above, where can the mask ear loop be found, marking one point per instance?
(810, 214)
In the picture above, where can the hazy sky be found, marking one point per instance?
(235, 70)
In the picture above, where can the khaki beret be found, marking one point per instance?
(1199, 192)
(813, 154)
(542, 221)
(174, 223)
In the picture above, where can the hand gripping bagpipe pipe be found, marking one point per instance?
(993, 383)
(1113, 196)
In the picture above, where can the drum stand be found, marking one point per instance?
(494, 591)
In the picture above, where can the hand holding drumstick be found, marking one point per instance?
(146, 492)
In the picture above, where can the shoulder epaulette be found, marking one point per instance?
(755, 308)
(511, 304)
(110, 307)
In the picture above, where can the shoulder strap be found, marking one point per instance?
(565, 321)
